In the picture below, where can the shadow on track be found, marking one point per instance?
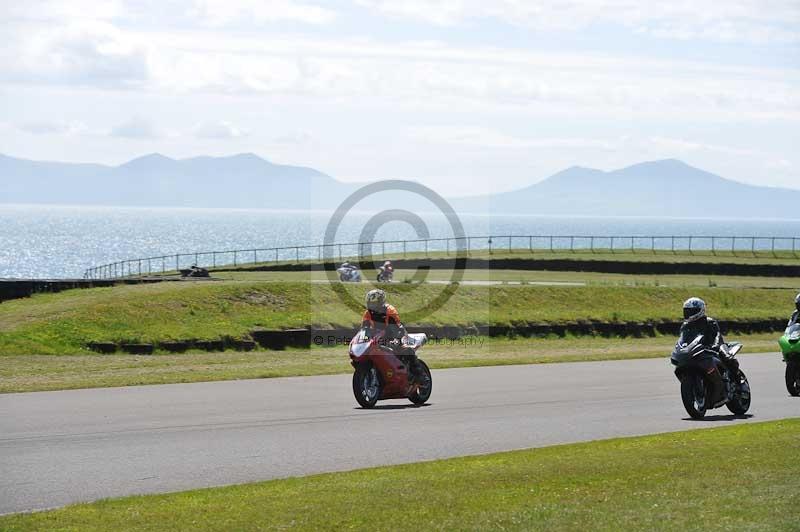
(393, 407)
(720, 417)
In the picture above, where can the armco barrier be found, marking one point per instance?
(566, 265)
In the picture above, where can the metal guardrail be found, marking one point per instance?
(693, 245)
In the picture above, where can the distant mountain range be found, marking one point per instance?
(659, 188)
(667, 187)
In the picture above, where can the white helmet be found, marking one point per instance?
(694, 308)
(387, 263)
(797, 302)
(375, 299)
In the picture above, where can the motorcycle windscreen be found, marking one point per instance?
(360, 343)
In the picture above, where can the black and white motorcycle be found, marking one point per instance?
(349, 273)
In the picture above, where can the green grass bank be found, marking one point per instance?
(742, 477)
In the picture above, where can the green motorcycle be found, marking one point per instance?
(790, 346)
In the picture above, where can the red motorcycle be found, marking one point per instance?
(383, 374)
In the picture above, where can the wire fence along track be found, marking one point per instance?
(752, 246)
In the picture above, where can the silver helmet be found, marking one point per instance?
(694, 308)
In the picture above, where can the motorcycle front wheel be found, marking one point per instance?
(793, 378)
(421, 395)
(693, 395)
(366, 385)
(740, 403)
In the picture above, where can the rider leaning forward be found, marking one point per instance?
(381, 315)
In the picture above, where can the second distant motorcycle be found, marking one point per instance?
(386, 273)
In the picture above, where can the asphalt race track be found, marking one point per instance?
(58, 448)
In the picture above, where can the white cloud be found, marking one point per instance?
(221, 12)
(718, 20)
(295, 138)
(136, 128)
(89, 53)
(53, 128)
(219, 130)
(478, 136)
(422, 75)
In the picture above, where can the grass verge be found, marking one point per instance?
(27, 373)
(64, 323)
(743, 477)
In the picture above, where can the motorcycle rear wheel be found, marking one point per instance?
(693, 395)
(366, 385)
(793, 378)
(740, 403)
(423, 393)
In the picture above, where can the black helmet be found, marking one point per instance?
(694, 308)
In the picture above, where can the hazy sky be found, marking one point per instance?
(469, 94)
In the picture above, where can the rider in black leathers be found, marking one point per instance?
(695, 321)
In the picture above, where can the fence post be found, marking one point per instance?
(297, 254)
(572, 244)
(713, 245)
(612, 244)
(673, 245)
(163, 264)
(177, 264)
(447, 246)
(632, 245)
(255, 256)
(690, 246)
(509, 243)
(404, 249)
(426, 248)
(591, 243)
(773, 247)
(733, 246)
(234, 258)
(551, 244)
(530, 243)
(753, 245)
(653, 244)
(794, 246)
